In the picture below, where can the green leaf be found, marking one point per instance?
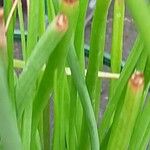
(122, 127)
(141, 127)
(124, 77)
(39, 56)
(84, 97)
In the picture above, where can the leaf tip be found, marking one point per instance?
(62, 22)
(137, 80)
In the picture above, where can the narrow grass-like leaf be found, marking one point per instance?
(61, 108)
(97, 43)
(139, 17)
(72, 115)
(84, 97)
(76, 94)
(145, 141)
(124, 77)
(147, 72)
(9, 134)
(122, 127)
(40, 27)
(56, 5)
(67, 112)
(59, 129)
(70, 9)
(141, 64)
(26, 127)
(140, 127)
(22, 30)
(39, 56)
(79, 46)
(56, 140)
(33, 19)
(117, 40)
(50, 9)
(41, 18)
(46, 127)
(79, 34)
(10, 47)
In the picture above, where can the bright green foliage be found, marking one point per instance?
(117, 40)
(123, 124)
(39, 56)
(54, 101)
(9, 133)
(141, 128)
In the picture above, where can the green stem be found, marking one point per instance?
(97, 43)
(79, 46)
(84, 97)
(117, 40)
